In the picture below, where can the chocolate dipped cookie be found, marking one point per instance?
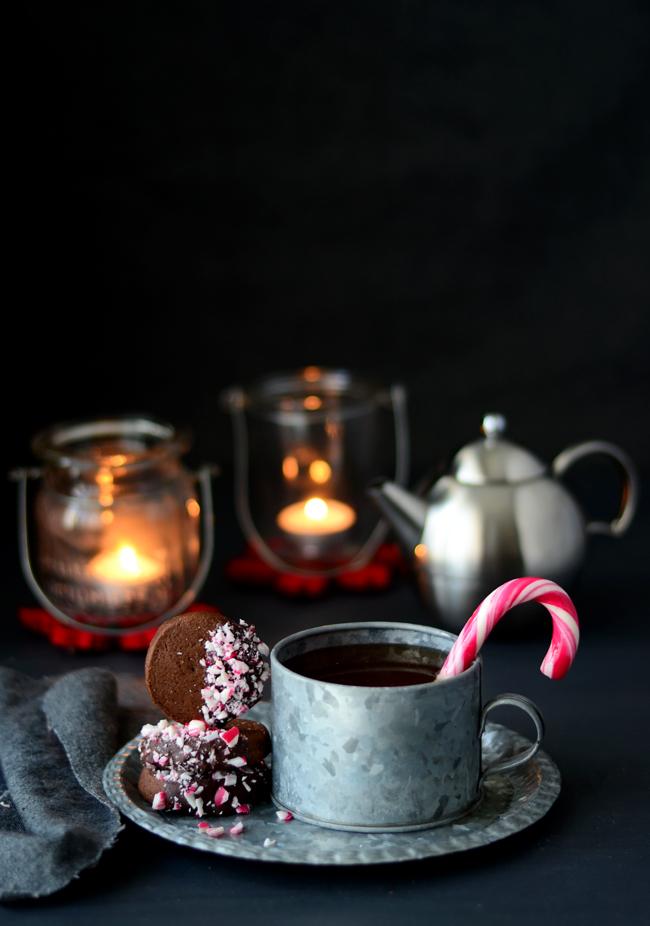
(232, 792)
(194, 748)
(203, 665)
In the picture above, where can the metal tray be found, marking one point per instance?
(510, 802)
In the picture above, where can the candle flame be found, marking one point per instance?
(316, 509)
(128, 560)
(124, 565)
(316, 517)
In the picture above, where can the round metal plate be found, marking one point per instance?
(510, 802)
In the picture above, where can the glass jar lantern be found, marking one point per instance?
(307, 445)
(123, 533)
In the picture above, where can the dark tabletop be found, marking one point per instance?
(585, 862)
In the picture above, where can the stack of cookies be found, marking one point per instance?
(204, 672)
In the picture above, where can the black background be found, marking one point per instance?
(455, 195)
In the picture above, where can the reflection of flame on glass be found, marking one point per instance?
(193, 507)
(320, 471)
(311, 374)
(290, 467)
(104, 480)
(421, 550)
(312, 402)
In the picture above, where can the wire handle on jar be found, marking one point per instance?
(234, 400)
(203, 477)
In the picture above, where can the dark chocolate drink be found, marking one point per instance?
(370, 665)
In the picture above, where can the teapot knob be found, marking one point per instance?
(493, 425)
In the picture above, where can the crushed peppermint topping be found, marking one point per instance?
(237, 761)
(284, 816)
(236, 667)
(214, 831)
(268, 842)
(242, 808)
(176, 747)
(237, 829)
(230, 737)
(196, 727)
(221, 797)
(159, 801)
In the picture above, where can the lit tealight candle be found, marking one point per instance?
(316, 517)
(124, 566)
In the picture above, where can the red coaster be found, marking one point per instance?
(72, 639)
(378, 575)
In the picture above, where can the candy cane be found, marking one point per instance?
(566, 633)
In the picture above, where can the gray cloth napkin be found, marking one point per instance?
(56, 736)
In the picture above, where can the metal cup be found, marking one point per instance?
(381, 759)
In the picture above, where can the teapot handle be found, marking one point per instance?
(630, 490)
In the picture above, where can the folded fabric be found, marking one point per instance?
(56, 736)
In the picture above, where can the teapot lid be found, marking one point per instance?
(494, 459)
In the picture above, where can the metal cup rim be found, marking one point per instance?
(358, 625)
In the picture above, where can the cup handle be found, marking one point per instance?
(527, 706)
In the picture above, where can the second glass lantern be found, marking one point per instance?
(307, 444)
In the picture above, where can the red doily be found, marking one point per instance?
(250, 569)
(72, 639)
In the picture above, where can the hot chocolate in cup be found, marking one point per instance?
(365, 738)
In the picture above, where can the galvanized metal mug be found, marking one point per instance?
(379, 759)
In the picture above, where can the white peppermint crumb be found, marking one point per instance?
(269, 842)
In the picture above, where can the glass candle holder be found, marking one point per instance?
(123, 532)
(307, 444)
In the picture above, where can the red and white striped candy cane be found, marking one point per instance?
(566, 632)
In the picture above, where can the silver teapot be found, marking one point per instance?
(499, 514)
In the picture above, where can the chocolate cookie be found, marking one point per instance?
(202, 664)
(188, 748)
(231, 793)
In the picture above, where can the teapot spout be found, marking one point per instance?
(405, 512)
